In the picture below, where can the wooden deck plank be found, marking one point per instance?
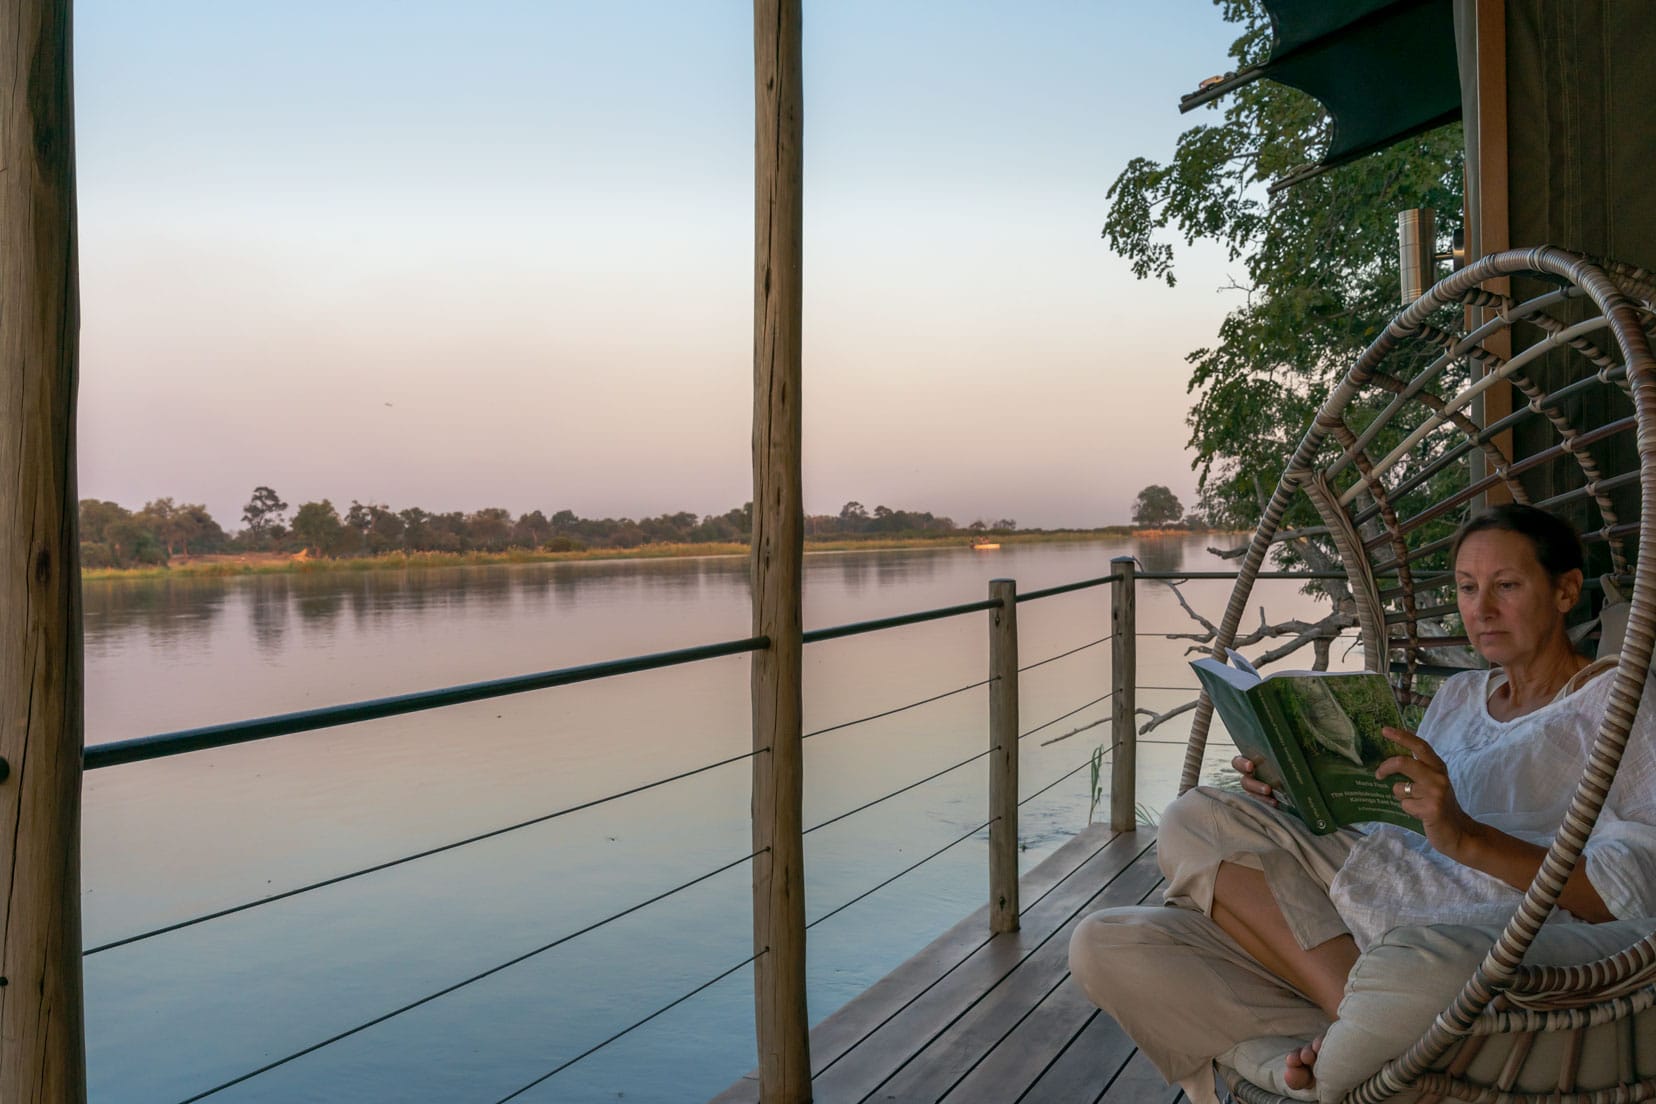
(1082, 1072)
(1095, 848)
(971, 1044)
(1139, 1083)
(1020, 1057)
(891, 1045)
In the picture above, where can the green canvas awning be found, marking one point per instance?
(1384, 69)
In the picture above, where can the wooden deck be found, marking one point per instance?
(996, 1020)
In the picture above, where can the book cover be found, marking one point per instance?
(1316, 736)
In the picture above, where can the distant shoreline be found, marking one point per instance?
(279, 563)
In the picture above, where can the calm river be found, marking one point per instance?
(174, 1016)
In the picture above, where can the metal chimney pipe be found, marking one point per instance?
(1416, 251)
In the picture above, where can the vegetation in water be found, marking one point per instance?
(1095, 785)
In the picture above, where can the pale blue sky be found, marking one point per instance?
(468, 254)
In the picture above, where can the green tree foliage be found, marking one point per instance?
(490, 529)
(1157, 506)
(265, 516)
(531, 530)
(114, 536)
(855, 520)
(183, 529)
(317, 527)
(1318, 261)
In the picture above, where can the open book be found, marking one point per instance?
(1315, 736)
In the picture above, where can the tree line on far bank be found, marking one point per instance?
(113, 536)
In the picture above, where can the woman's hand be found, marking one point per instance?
(1245, 767)
(1428, 794)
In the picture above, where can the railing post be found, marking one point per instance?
(1123, 683)
(1003, 757)
(42, 1047)
(780, 1020)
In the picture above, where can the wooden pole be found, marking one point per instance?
(1124, 681)
(1003, 758)
(780, 1018)
(42, 1044)
(1493, 223)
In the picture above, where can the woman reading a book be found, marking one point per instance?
(1267, 919)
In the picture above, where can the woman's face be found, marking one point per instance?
(1513, 611)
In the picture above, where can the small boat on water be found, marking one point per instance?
(985, 546)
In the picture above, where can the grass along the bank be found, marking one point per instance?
(273, 563)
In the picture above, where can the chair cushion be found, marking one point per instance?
(1399, 986)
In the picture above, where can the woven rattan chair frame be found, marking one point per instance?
(1359, 496)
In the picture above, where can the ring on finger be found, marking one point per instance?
(1408, 789)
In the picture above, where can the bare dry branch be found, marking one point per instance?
(1281, 538)
(1157, 719)
(1212, 629)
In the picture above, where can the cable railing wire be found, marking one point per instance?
(906, 870)
(427, 853)
(1089, 726)
(1064, 716)
(898, 709)
(629, 1029)
(904, 790)
(1066, 775)
(492, 970)
(1064, 655)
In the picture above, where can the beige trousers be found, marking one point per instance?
(1181, 988)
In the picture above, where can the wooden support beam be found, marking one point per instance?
(1493, 224)
(42, 1044)
(1124, 700)
(780, 1018)
(1003, 758)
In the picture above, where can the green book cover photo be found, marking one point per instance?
(1317, 737)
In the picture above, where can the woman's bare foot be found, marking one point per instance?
(1301, 1066)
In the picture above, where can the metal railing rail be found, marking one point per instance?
(166, 744)
(163, 745)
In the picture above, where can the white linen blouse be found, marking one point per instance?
(1517, 776)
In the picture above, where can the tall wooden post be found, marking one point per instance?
(42, 1046)
(780, 1016)
(1124, 683)
(1003, 758)
(1491, 221)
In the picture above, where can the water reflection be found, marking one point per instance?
(319, 610)
(854, 571)
(1161, 553)
(267, 613)
(166, 611)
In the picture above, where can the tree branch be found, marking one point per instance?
(1157, 719)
